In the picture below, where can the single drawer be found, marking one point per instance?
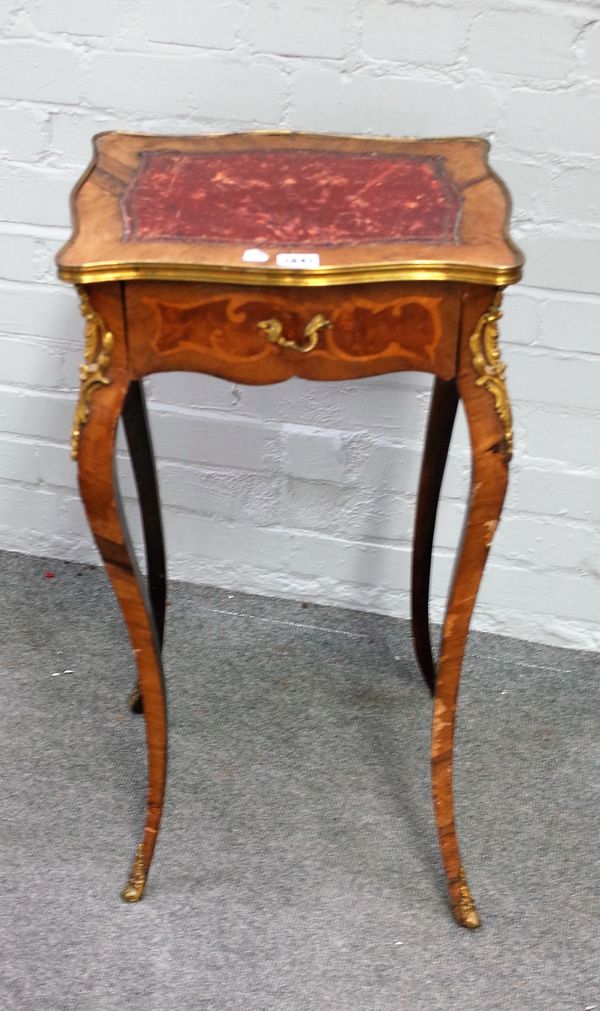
(264, 335)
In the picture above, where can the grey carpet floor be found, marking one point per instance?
(298, 865)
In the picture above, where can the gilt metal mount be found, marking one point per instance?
(92, 373)
(468, 911)
(490, 368)
(134, 888)
(273, 331)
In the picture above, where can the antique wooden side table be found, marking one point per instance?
(256, 257)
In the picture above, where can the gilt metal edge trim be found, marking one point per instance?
(490, 369)
(426, 270)
(92, 372)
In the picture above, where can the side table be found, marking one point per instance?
(256, 257)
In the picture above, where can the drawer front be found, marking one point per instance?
(265, 335)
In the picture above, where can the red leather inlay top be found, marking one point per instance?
(290, 198)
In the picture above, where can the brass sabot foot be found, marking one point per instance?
(134, 889)
(470, 918)
(466, 911)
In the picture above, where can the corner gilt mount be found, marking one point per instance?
(92, 373)
(490, 368)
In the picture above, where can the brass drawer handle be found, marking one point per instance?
(273, 331)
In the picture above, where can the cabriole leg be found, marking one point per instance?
(442, 412)
(483, 392)
(137, 430)
(104, 388)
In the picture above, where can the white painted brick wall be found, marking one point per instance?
(292, 28)
(525, 43)
(74, 18)
(415, 34)
(307, 489)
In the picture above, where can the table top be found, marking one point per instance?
(289, 209)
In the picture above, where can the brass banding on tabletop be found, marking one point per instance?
(415, 270)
